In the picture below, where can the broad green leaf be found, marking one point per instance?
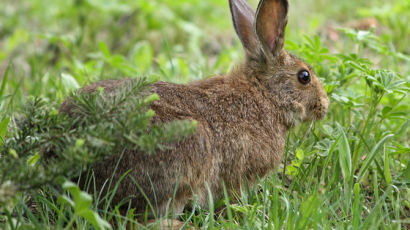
(300, 155)
(95, 219)
(69, 82)
(66, 199)
(13, 153)
(104, 49)
(33, 159)
(82, 205)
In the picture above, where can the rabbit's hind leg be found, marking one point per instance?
(172, 208)
(169, 224)
(169, 213)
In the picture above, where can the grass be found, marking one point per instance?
(349, 171)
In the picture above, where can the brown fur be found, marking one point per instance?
(242, 120)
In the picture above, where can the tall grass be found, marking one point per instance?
(349, 171)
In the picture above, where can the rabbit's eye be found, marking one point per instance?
(304, 77)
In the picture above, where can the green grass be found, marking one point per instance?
(349, 171)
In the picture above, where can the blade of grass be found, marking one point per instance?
(4, 81)
(345, 159)
(228, 207)
(356, 207)
(371, 157)
(211, 210)
(387, 174)
(3, 130)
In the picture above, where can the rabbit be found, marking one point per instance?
(242, 120)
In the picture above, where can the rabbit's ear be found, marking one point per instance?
(243, 18)
(271, 20)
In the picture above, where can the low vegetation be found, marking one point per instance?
(348, 171)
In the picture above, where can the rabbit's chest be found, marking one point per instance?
(244, 150)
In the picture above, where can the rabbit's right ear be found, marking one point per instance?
(271, 20)
(243, 18)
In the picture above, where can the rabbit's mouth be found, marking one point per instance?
(299, 113)
(296, 114)
(320, 115)
(320, 108)
(294, 119)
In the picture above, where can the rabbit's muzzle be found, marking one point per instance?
(321, 107)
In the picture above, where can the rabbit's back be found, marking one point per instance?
(238, 136)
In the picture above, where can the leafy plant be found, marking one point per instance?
(46, 146)
(81, 203)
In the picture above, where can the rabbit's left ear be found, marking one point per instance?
(243, 18)
(271, 20)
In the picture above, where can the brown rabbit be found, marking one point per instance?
(242, 119)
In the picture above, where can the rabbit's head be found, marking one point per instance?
(291, 83)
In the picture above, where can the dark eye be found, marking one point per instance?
(304, 77)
